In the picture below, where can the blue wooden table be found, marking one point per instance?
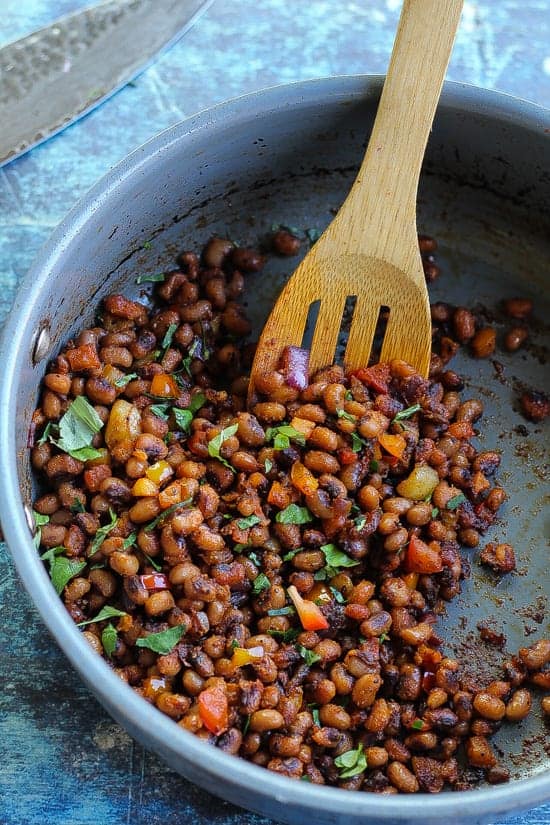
(63, 761)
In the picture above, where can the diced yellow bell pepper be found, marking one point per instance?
(145, 487)
(159, 472)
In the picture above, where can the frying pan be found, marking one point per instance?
(288, 155)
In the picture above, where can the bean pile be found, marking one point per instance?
(271, 578)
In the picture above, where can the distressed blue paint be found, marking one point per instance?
(62, 760)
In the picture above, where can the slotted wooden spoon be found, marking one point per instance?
(370, 250)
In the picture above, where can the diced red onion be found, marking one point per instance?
(295, 366)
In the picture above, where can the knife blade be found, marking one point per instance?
(56, 75)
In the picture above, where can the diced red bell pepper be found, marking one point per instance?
(214, 710)
(310, 614)
(347, 456)
(376, 377)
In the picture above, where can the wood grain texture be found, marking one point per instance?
(370, 250)
(63, 761)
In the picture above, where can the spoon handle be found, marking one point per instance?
(383, 197)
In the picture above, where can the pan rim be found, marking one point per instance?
(144, 721)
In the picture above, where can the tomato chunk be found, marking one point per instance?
(214, 710)
(376, 377)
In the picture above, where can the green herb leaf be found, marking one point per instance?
(335, 558)
(154, 564)
(246, 724)
(268, 465)
(62, 569)
(84, 453)
(351, 762)
(77, 428)
(46, 434)
(285, 635)
(357, 443)
(281, 436)
(105, 613)
(165, 513)
(305, 778)
(337, 595)
(164, 641)
(383, 637)
(254, 558)
(183, 419)
(293, 514)
(160, 410)
(129, 541)
(198, 400)
(239, 548)
(308, 656)
(455, 501)
(125, 379)
(435, 512)
(39, 520)
(102, 533)
(348, 395)
(288, 610)
(77, 506)
(109, 638)
(169, 334)
(360, 522)
(346, 415)
(249, 521)
(418, 724)
(147, 245)
(291, 553)
(260, 583)
(214, 446)
(315, 714)
(374, 466)
(406, 413)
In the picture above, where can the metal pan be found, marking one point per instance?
(288, 155)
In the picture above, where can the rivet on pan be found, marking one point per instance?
(31, 524)
(41, 343)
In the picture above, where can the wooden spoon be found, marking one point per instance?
(370, 250)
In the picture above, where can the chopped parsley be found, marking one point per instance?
(401, 416)
(215, 445)
(268, 465)
(125, 379)
(77, 428)
(77, 506)
(337, 595)
(249, 521)
(435, 512)
(39, 520)
(46, 434)
(106, 612)
(285, 635)
(260, 583)
(288, 610)
(336, 560)
(293, 514)
(183, 419)
(161, 410)
(357, 443)
(164, 641)
(346, 415)
(164, 515)
(159, 278)
(312, 235)
(169, 334)
(455, 501)
(351, 762)
(360, 522)
(308, 656)
(62, 569)
(282, 435)
(109, 638)
(374, 466)
(102, 533)
(418, 724)
(291, 553)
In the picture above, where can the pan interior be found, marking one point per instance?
(490, 247)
